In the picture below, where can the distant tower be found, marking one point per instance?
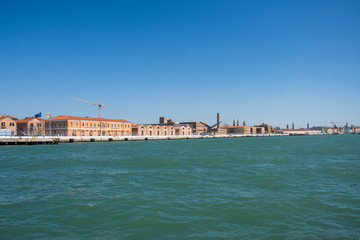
(238, 123)
(234, 122)
(293, 126)
(308, 126)
(287, 126)
(163, 120)
(244, 123)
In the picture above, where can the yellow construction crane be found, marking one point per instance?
(97, 104)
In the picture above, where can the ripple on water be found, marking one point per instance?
(274, 188)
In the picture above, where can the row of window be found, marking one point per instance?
(156, 127)
(63, 124)
(3, 124)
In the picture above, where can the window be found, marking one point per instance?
(12, 124)
(3, 124)
(90, 124)
(71, 124)
(76, 124)
(112, 125)
(83, 124)
(87, 124)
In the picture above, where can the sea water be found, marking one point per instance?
(295, 187)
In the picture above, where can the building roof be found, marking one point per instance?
(87, 118)
(28, 119)
(7, 116)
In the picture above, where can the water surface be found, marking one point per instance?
(305, 187)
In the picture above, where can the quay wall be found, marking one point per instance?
(29, 140)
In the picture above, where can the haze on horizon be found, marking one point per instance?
(275, 62)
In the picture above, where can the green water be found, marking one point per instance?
(305, 187)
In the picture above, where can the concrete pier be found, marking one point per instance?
(15, 140)
(28, 140)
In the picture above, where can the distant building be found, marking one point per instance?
(86, 126)
(153, 130)
(268, 128)
(300, 131)
(31, 126)
(241, 130)
(197, 127)
(8, 125)
(164, 128)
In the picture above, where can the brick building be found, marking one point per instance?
(197, 127)
(243, 130)
(9, 123)
(86, 126)
(160, 130)
(31, 126)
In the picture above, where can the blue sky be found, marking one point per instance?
(276, 62)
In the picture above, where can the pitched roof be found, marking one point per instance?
(87, 118)
(7, 116)
(28, 119)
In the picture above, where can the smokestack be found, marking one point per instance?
(308, 126)
(237, 123)
(287, 126)
(293, 126)
(234, 122)
(218, 121)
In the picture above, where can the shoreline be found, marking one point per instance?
(32, 140)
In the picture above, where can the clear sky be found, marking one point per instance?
(276, 62)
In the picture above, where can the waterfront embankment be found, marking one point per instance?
(29, 140)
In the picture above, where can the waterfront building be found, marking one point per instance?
(160, 130)
(31, 126)
(241, 130)
(300, 131)
(197, 127)
(8, 125)
(86, 126)
(152, 130)
(267, 127)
